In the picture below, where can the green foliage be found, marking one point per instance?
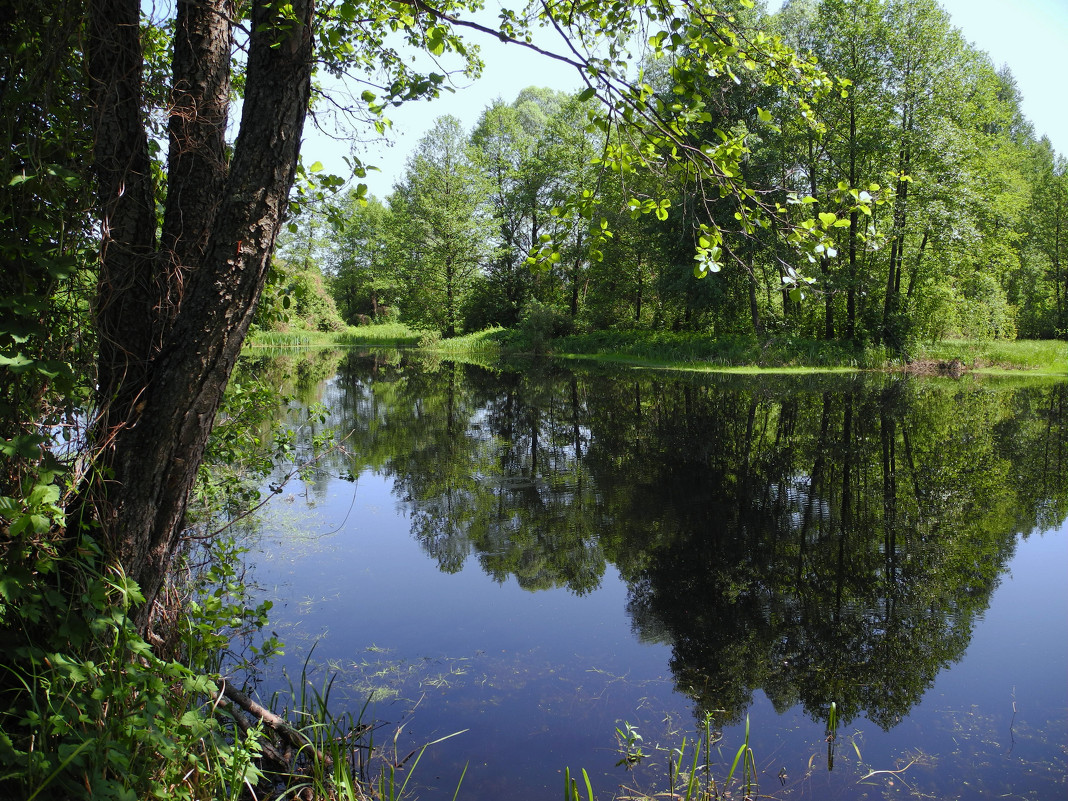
(629, 743)
(541, 323)
(365, 279)
(88, 707)
(439, 211)
(47, 249)
(985, 313)
(296, 297)
(893, 186)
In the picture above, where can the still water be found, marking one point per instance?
(539, 557)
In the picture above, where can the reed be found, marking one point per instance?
(691, 776)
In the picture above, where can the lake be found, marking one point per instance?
(556, 562)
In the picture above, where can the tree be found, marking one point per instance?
(501, 147)
(571, 151)
(1048, 222)
(186, 243)
(366, 279)
(512, 149)
(441, 208)
(173, 310)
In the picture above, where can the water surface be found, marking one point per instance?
(535, 557)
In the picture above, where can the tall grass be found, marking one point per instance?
(293, 339)
(395, 335)
(1044, 355)
(339, 757)
(487, 343)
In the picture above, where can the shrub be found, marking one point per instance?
(541, 323)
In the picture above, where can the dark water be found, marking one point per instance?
(536, 557)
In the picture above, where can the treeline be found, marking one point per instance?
(943, 214)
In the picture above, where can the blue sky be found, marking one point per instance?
(1031, 36)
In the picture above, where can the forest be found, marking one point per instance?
(961, 233)
(848, 171)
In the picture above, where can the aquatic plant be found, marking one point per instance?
(689, 765)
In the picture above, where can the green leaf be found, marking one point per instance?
(827, 218)
(43, 494)
(435, 41)
(586, 94)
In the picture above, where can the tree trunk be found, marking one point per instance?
(450, 300)
(897, 235)
(173, 318)
(851, 296)
(754, 307)
(638, 291)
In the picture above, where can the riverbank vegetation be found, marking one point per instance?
(141, 217)
(935, 210)
(693, 351)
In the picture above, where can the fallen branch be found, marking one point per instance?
(294, 737)
(267, 748)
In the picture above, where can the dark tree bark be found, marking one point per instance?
(891, 302)
(851, 296)
(173, 314)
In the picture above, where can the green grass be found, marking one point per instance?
(380, 335)
(694, 351)
(1043, 356)
(292, 339)
(489, 342)
(383, 335)
(690, 351)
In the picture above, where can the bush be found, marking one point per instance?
(428, 340)
(541, 323)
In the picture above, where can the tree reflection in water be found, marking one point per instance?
(820, 538)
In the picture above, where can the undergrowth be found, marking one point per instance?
(91, 708)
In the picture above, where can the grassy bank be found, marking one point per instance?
(1041, 356)
(701, 352)
(384, 335)
(689, 351)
